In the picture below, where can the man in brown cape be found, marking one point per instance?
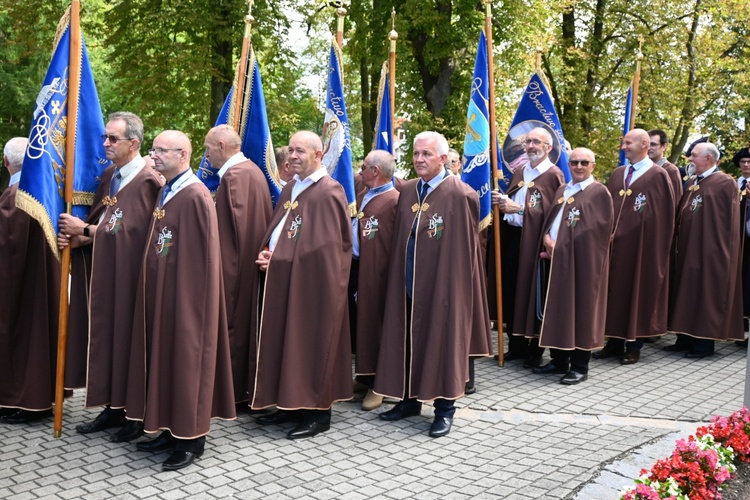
(741, 160)
(435, 303)
(576, 238)
(304, 352)
(657, 146)
(372, 236)
(127, 192)
(706, 296)
(529, 198)
(243, 208)
(180, 368)
(30, 276)
(637, 301)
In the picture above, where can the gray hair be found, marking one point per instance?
(15, 150)
(710, 149)
(133, 124)
(384, 160)
(441, 143)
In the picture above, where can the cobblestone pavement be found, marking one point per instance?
(521, 436)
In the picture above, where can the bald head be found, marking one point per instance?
(13, 153)
(581, 163)
(305, 153)
(222, 142)
(635, 145)
(171, 153)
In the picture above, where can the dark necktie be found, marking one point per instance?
(743, 204)
(164, 194)
(424, 187)
(629, 176)
(744, 185)
(114, 185)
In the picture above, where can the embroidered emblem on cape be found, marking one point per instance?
(574, 216)
(288, 204)
(294, 228)
(163, 242)
(696, 204)
(158, 213)
(640, 203)
(626, 193)
(535, 200)
(115, 221)
(371, 228)
(109, 202)
(417, 207)
(436, 227)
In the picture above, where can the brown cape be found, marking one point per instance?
(638, 296)
(540, 198)
(447, 296)
(243, 208)
(304, 352)
(30, 276)
(115, 271)
(675, 179)
(375, 240)
(706, 299)
(180, 373)
(77, 347)
(576, 305)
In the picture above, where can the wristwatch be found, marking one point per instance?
(86, 230)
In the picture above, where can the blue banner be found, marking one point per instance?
(337, 143)
(477, 166)
(384, 126)
(253, 130)
(626, 123)
(42, 185)
(535, 110)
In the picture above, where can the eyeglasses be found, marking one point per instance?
(161, 151)
(113, 138)
(455, 161)
(654, 144)
(583, 163)
(535, 142)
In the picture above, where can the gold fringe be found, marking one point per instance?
(381, 85)
(61, 27)
(83, 198)
(484, 223)
(353, 209)
(36, 210)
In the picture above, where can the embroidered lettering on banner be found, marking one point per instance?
(370, 230)
(115, 222)
(163, 242)
(640, 203)
(294, 228)
(436, 227)
(574, 216)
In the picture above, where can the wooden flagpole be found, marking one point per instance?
(392, 36)
(74, 84)
(497, 176)
(239, 87)
(636, 84)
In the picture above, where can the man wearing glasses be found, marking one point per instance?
(454, 162)
(530, 197)
(180, 371)
(657, 146)
(115, 233)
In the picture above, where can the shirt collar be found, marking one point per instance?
(133, 165)
(435, 181)
(584, 183)
(643, 163)
(234, 160)
(545, 165)
(313, 177)
(709, 172)
(14, 179)
(174, 181)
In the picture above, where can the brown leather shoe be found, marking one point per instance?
(611, 350)
(630, 357)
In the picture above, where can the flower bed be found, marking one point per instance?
(700, 466)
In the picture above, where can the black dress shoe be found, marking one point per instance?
(130, 431)
(164, 442)
(4, 412)
(105, 420)
(630, 357)
(573, 377)
(699, 354)
(400, 411)
(741, 343)
(675, 348)
(609, 351)
(25, 416)
(440, 427)
(512, 356)
(532, 362)
(279, 417)
(180, 459)
(469, 390)
(549, 368)
(308, 429)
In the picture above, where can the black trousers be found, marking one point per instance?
(577, 360)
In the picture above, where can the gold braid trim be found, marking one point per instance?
(61, 27)
(484, 223)
(36, 210)
(83, 198)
